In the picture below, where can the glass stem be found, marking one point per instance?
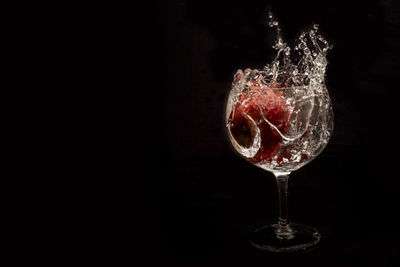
(283, 229)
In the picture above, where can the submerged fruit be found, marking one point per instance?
(264, 108)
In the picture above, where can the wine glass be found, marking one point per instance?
(279, 129)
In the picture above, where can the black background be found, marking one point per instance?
(197, 200)
(46, 81)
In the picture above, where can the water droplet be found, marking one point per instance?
(287, 51)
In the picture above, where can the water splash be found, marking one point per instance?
(311, 50)
(279, 127)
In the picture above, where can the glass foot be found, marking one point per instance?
(294, 238)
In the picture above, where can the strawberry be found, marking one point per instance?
(260, 104)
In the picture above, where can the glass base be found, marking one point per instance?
(275, 238)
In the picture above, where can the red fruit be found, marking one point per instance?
(260, 104)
